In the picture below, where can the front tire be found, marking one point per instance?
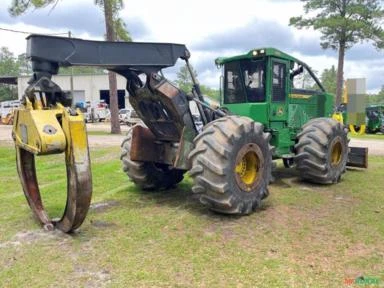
(148, 175)
(231, 165)
(322, 151)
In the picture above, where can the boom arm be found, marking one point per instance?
(115, 56)
(128, 59)
(46, 124)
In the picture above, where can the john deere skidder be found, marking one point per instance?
(375, 118)
(230, 160)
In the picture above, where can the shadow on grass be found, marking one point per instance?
(355, 170)
(284, 177)
(289, 178)
(181, 196)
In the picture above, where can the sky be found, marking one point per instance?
(210, 29)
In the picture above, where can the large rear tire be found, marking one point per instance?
(148, 175)
(231, 165)
(322, 151)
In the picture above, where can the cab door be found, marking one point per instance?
(279, 90)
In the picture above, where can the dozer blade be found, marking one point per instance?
(358, 157)
(79, 182)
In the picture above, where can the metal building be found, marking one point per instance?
(85, 87)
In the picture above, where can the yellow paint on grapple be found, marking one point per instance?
(41, 130)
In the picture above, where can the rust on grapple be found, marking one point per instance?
(43, 126)
(46, 123)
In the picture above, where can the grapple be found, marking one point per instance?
(46, 124)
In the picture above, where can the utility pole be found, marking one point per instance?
(71, 77)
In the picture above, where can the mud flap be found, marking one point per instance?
(358, 157)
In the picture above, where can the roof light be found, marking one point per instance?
(254, 53)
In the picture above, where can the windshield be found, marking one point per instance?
(244, 81)
(302, 80)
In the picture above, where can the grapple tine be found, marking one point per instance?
(69, 136)
(27, 173)
(47, 124)
(79, 177)
(79, 193)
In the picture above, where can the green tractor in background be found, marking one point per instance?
(375, 118)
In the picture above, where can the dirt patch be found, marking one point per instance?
(106, 127)
(286, 216)
(105, 140)
(360, 250)
(31, 237)
(103, 206)
(223, 228)
(375, 147)
(93, 278)
(6, 134)
(102, 224)
(94, 140)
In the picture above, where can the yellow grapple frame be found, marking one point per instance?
(42, 129)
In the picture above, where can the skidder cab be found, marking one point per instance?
(282, 93)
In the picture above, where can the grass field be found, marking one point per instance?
(304, 236)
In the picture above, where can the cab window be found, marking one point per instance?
(233, 90)
(254, 81)
(278, 82)
(302, 80)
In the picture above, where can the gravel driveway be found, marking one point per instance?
(94, 140)
(375, 147)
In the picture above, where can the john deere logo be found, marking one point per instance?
(280, 111)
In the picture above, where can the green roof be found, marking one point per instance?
(257, 53)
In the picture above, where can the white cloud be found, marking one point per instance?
(195, 24)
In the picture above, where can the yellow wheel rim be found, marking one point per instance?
(336, 153)
(247, 168)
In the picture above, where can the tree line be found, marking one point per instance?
(342, 24)
(115, 30)
(11, 65)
